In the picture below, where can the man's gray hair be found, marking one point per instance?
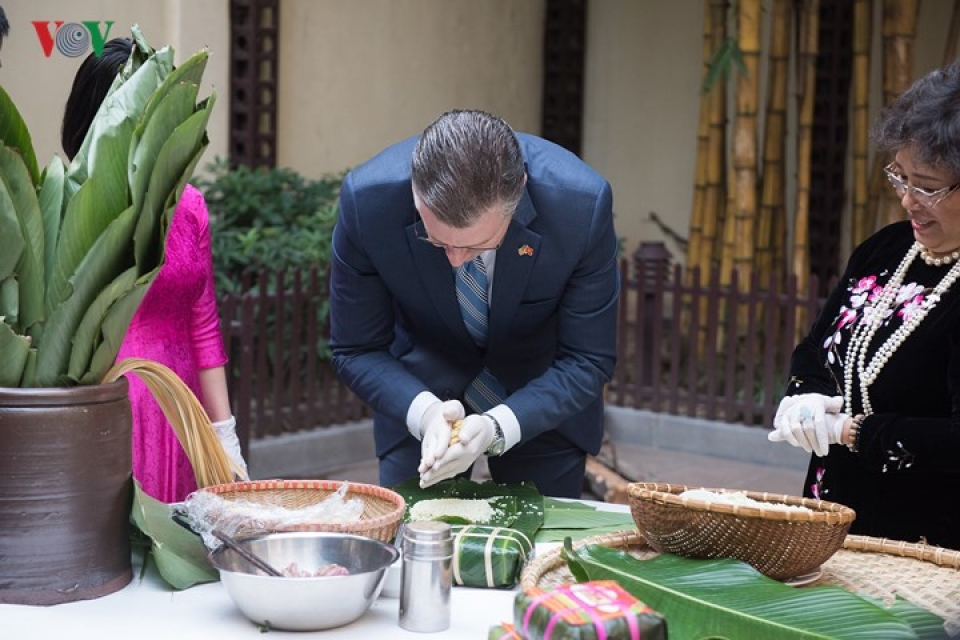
(465, 163)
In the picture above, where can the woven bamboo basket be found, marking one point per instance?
(780, 543)
(926, 575)
(382, 511)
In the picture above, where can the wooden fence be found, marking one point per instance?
(703, 349)
(685, 347)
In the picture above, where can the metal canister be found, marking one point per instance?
(425, 577)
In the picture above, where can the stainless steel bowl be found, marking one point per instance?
(305, 604)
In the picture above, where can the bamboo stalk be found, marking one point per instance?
(899, 36)
(771, 220)
(695, 249)
(745, 138)
(806, 87)
(953, 35)
(862, 23)
(715, 193)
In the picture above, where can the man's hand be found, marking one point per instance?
(811, 421)
(435, 431)
(476, 435)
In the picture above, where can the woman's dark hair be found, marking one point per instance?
(90, 86)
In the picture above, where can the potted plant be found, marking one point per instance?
(81, 245)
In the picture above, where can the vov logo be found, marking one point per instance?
(72, 39)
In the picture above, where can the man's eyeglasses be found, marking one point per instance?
(421, 233)
(927, 198)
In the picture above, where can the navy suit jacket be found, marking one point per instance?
(396, 328)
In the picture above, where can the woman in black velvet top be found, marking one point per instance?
(874, 391)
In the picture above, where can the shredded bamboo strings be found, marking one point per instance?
(186, 415)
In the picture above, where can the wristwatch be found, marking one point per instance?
(499, 442)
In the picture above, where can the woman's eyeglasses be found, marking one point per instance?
(927, 198)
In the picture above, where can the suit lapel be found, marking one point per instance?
(437, 277)
(515, 261)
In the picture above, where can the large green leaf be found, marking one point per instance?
(13, 242)
(94, 207)
(51, 208)
(565, 519)
(518, 506)
(177, 104)
(88, 337)
(728, 598)
(14, 133)
(9, 301)
(98, 268)
(180, 555)
(114, 328)
(23, 196)
(174, 156)
(109, 135)
(13, 355)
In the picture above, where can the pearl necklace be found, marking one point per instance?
(873, 318)
(936, 261)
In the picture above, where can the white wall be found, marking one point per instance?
(357, 75)
(40, 85)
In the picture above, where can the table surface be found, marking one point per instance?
(148, 609)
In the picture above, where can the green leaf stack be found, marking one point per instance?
(83, 243)
(726, 598)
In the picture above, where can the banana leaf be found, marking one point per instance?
(110, 132)
(114, 328)
(51, 208)
(729, 598)
(13, 243)
(14, 133)
(13, 354)
(180, 555)
(88, 336)
(176, 99)
(517, 506)
(97, 269)
(173, 157)
(91, 210)
(564, 519)
(23, 196)
(9, 301)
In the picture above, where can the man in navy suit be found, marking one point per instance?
(528, 229)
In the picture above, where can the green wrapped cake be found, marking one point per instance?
(485, 556)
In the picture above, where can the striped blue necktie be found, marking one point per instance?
(485, 392)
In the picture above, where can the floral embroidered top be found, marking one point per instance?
(908, 460)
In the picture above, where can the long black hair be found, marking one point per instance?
(90, 86)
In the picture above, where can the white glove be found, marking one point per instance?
(435, 431)
(476, 435)
(811, 421)
(227, 435)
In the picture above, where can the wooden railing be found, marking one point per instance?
(685, 347)
(279, 374)
(705, 349)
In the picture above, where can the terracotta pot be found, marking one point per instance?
(65, 493)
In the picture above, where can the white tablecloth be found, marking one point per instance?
(148, 609)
